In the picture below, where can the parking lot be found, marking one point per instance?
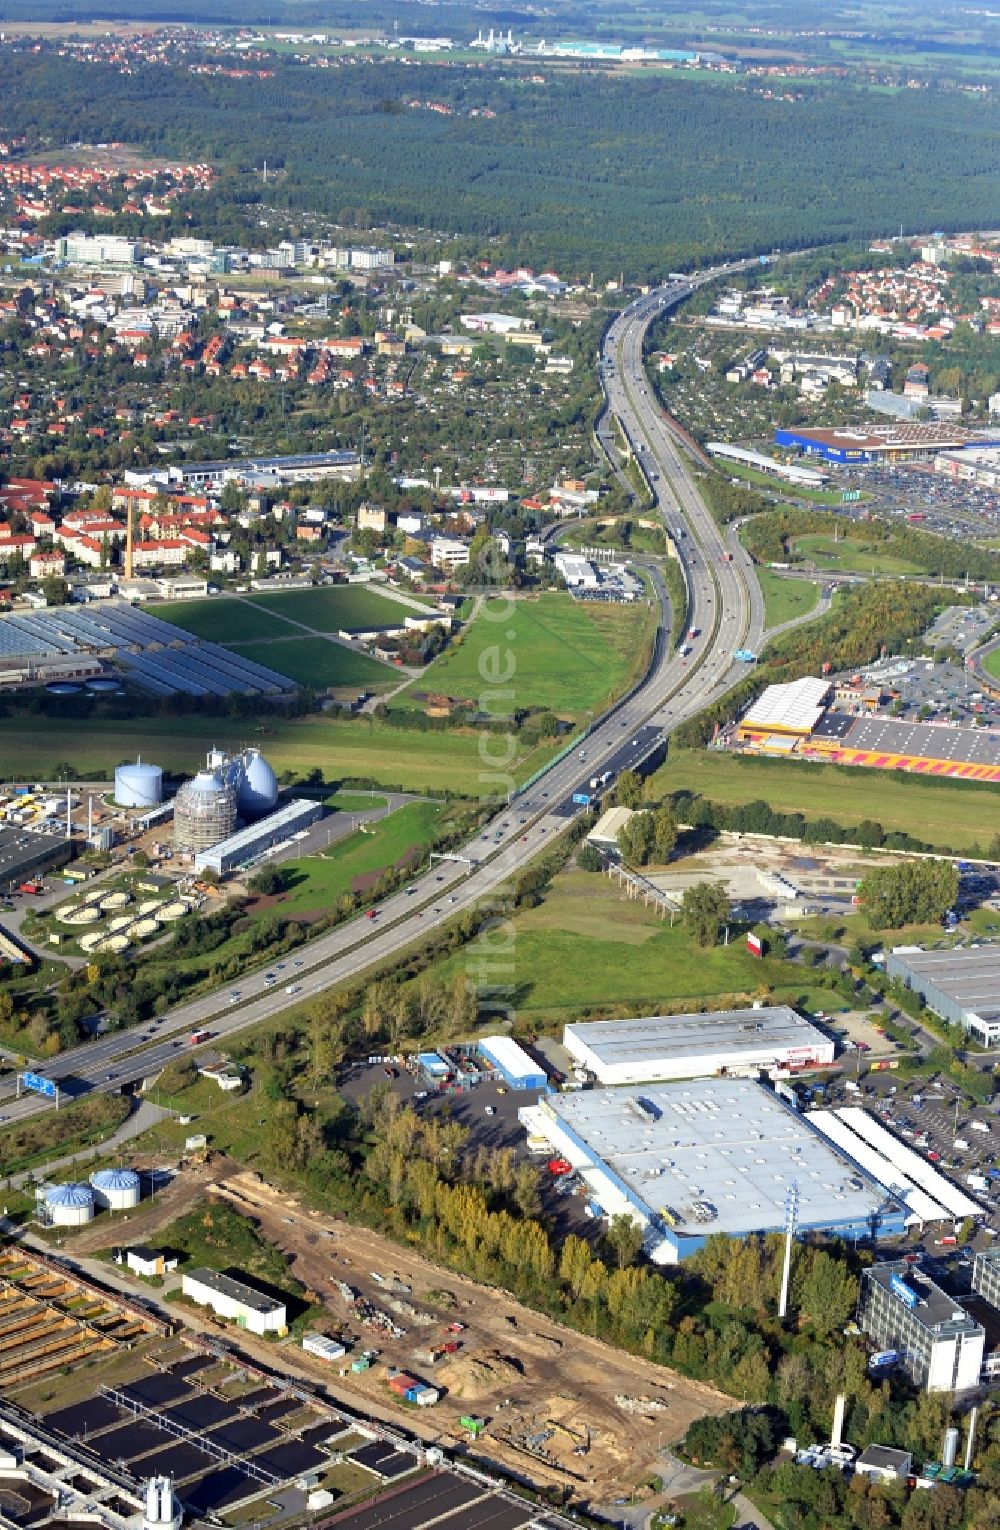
(936, 1119)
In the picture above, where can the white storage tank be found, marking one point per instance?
(116, 1189)
(70, 1205)
(138, 785)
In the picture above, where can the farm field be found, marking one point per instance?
(333, 608)
(316, 662)
(589, 949)
(351, 865)
(785, 599)
(943, 814)
(849, 557)
(352, 748)
(224, 620)
(568, 657)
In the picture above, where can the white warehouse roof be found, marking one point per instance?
(711, 1155)
(796, 707)
(511, 1058)
(786, 470)
(928, 1194)
(692, 1045)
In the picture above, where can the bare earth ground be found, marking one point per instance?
(523, 1372)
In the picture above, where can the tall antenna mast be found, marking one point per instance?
(791, 1218)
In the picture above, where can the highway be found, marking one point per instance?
(725, 608)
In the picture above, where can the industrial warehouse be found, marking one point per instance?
(663, 1047)
(688, 1160)
(962, 986)
(856, 444)
(804, 478)
(804, 720)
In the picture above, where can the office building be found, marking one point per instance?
(936, 1342)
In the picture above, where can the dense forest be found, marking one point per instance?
(585, 172)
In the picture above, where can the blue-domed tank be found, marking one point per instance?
(70, 1205)
(116, 1189)
(256, 786)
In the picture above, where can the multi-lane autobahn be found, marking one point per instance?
(726, 610)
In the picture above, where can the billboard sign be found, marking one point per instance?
(906, 1293)
(582, 798)
(882, 1359)
(39, 1085)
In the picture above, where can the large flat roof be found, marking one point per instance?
(897, 435)
(728, 1145)
(930, 748)
(236, 1290)
(653, 1037)
(22, 847)
(970, 978)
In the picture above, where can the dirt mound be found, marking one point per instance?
(538, 1343)
(483, 1373)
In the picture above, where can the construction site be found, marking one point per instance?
(515, 1389)
(549, 1405)
(112, 1415)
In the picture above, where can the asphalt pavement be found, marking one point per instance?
(726, 610)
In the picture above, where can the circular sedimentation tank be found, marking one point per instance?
(121, 923)
(103, 687)
(115, 900)
(88, 942)
(63, 688)
(113, 943)
(86, 915)
(175, 910)
(144, 928)
(148, 906)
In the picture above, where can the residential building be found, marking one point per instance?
(448, 553)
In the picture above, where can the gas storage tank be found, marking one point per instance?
(138, 785)
(70, 1205)
(204, 812)
(256, 785)
(116, 1189)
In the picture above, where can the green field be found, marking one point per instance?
(850, 556)
(784, 599)
(351, 864)
(223, 620)
(589, 948)
(336, 608)
(782, 485)
(991, 663)
(561, 654)
(953, 817)
(354, 748)
(321, 664)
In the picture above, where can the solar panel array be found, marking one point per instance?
(153, 654)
